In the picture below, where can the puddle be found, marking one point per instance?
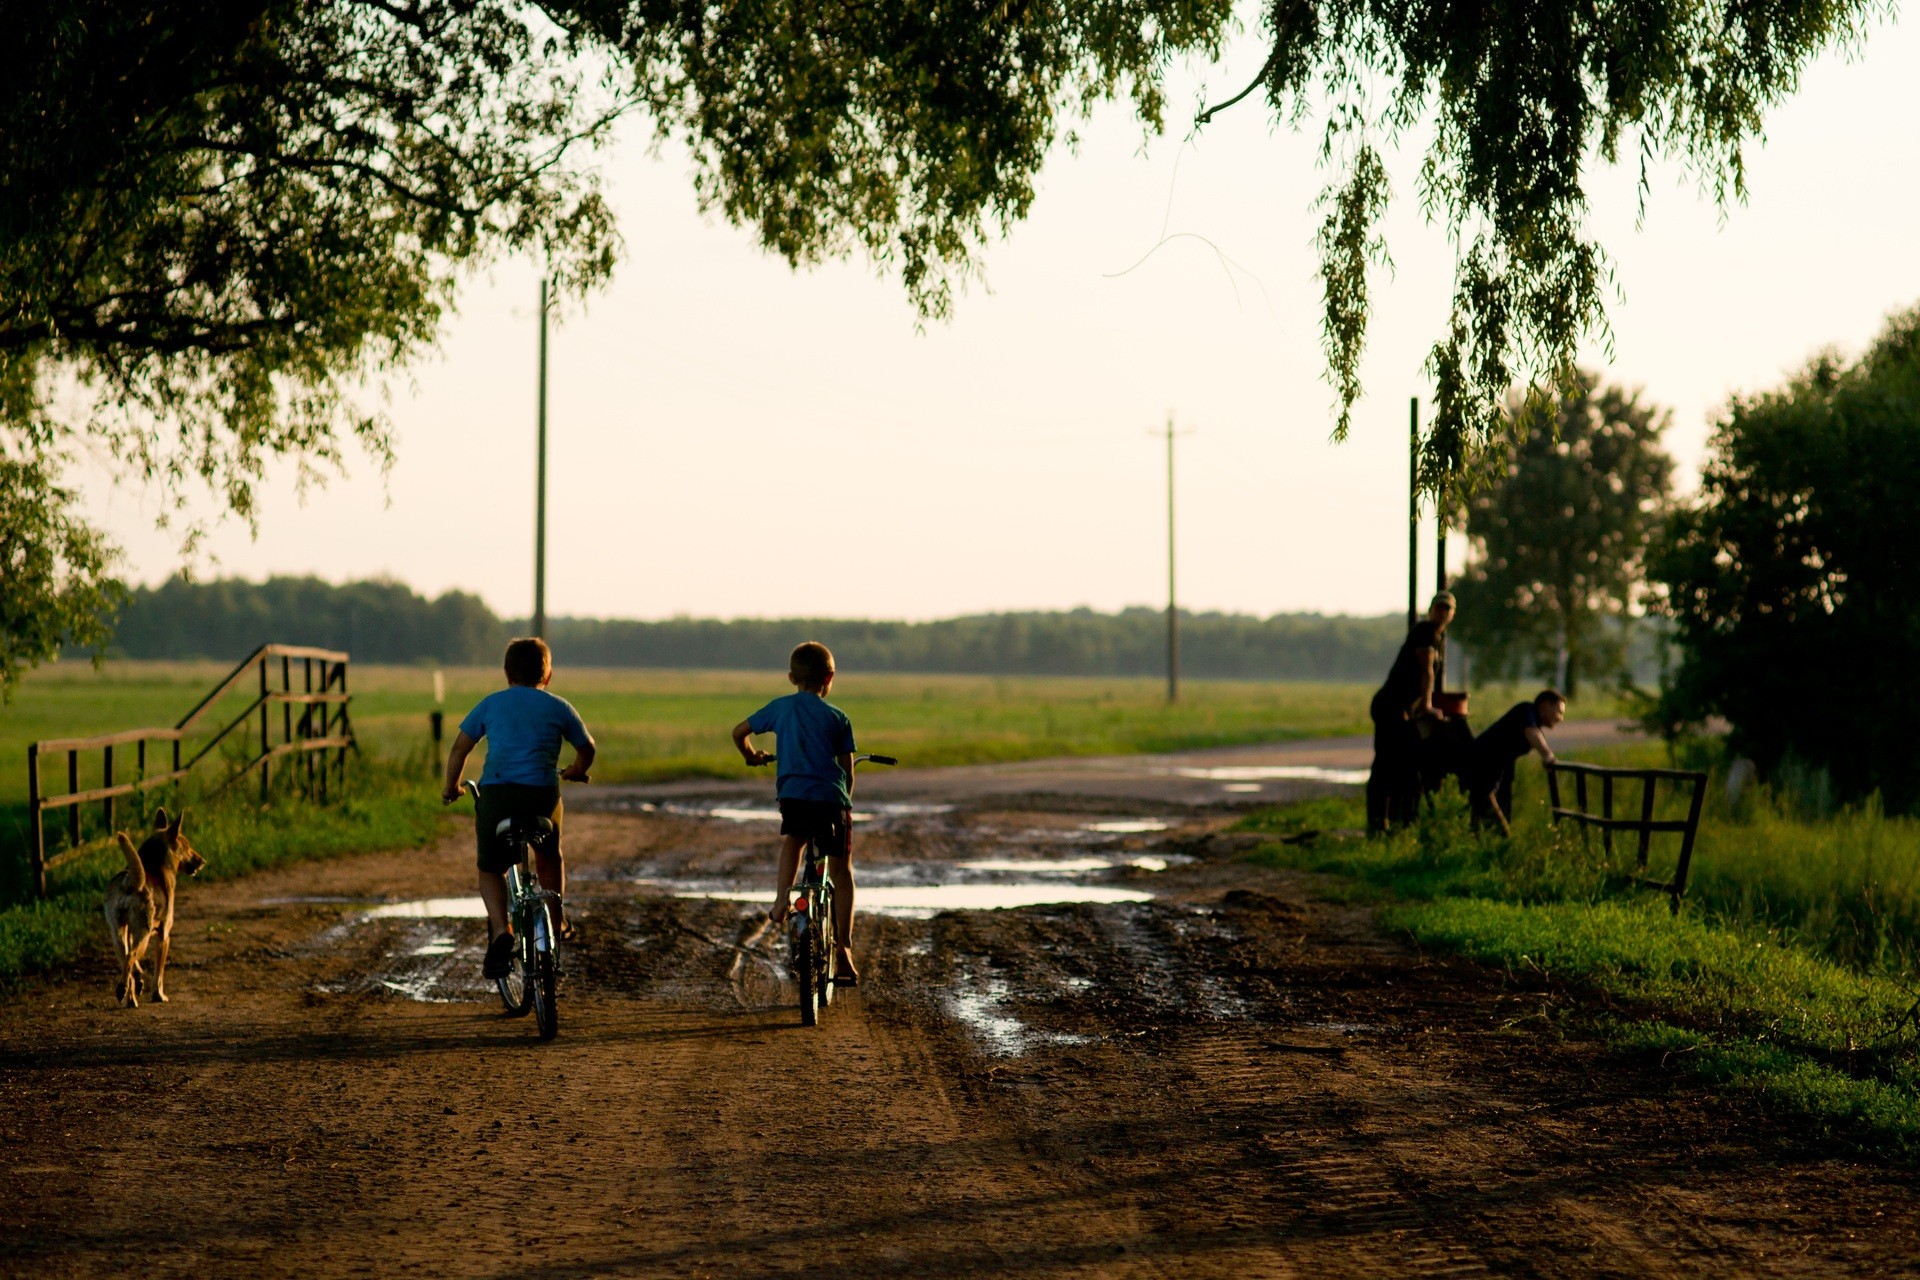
(428, 909)
(303, 900)
(1069, 866)
(1276, 772)
(1127, 826)
(1241, 786)
(923, 901)
(771, 813)
(434, 947)
(981, 1005)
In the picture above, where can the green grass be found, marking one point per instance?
(1760, 983)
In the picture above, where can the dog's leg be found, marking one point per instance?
(117, 931)
(160, 961)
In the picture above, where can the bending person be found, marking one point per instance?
(1500, 748)
(1393, 788)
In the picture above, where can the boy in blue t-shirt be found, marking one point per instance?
(524, 726)
(815, 786)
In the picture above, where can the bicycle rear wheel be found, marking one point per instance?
(806, 945)
(543, 971)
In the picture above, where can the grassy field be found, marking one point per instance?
(1791, 969)
(663, 724)
(658, 724)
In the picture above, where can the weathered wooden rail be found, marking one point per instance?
(322, 726)
(1645, 825)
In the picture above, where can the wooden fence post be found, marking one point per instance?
(73, 810)
(1646, 817)
(1606, 812)
(37, 836)
(1686, 841)
(106, 780)
(266, 720)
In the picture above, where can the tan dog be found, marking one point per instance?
(140, 899)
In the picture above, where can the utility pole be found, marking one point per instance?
(1413, 513)
(1173, 610)
(540, 486)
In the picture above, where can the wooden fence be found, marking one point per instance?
(322, 726)
(1644, 824)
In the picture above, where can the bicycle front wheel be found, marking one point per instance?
(543, 971)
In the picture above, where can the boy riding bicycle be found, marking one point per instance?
(524, 726)
(815, 788)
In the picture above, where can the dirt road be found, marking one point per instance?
(1197, 1069)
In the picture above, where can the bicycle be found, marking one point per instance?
(532, 979)
(811, 954)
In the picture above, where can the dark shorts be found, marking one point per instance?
(827, 824)
(512, 800)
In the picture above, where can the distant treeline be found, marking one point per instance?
(389, 622)
(373, 621)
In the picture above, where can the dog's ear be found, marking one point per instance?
(173, 828)
(159, 818)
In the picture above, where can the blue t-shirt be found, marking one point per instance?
(812, 731)
(524, 727)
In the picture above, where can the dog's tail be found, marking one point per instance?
(136, 873)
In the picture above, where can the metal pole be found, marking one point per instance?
(540, 487)
(1413, 512)
(1173, 612)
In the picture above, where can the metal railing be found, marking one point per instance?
(322, 726)
(1645, 824)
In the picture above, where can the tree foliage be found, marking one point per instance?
(219, 220)
(1522, 99)
(1793, 581)
(54, 588)
(1560, 531)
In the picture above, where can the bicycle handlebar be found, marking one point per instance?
(868, 759)
(472, 788)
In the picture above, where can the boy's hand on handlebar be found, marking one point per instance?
(450, 793)
(575, 772)
(755, 757)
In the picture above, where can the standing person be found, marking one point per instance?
(1489, 773)
(1393, 788)
(815, 787)
(524, 726)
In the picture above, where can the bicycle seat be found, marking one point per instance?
(523, 828)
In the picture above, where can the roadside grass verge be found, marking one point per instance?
(1717, 991)
(387, 807)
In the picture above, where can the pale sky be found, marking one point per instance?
(730, 438)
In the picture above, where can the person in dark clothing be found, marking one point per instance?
(1506, 741)
(1393, 787)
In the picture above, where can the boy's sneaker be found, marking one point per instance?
(499, 961)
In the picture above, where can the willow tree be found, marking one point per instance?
(220, 221)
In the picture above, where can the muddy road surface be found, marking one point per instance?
(1162, 1061)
